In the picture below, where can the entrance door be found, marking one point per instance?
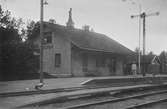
(112, 66)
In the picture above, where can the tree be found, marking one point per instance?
(151, 53)
(4, 18)
(10, 28)
(16, 56)
(137, 50)
(33, 29)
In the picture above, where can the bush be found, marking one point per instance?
(17, 60)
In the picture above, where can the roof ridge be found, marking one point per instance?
(90, 40)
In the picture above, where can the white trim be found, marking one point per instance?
(86, 81)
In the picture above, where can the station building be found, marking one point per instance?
(68, 51)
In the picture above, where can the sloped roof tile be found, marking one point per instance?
(90, 40)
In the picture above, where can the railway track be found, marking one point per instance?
(149, 103)
(109, 97)
(34, 92)
(84, 100)
(117, 100)
(77, 96)
(119, 96)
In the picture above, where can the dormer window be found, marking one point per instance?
(47, 37)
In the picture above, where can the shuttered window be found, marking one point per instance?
(57, 60)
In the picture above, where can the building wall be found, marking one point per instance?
(71, 64)
(71, 60)
(76, 64)
(77, 70)
(62, 46)
(48, 58)
(119, 67)
(77, 67)
(97, 71)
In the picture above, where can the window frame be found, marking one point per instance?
(47, 38)
(84, 62)
(57, 60)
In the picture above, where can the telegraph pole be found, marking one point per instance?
(41, 77)
(41, 40)
(140, 10)
(139, 55)
(143, 16)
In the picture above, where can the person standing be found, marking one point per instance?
(134, 68)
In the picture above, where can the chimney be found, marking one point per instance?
(52, 21)
(92, 30)
(86, 27)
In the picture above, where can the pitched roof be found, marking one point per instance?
(90, 40)
(155, 60)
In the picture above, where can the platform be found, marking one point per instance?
(125, 80)
(28, 85)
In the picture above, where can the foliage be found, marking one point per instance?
(4, 17)
(151, 53)
(137, 50)
(32, 31)
(16, 57)
(9, 35)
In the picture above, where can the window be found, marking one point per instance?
(85, 63)
(47, 37)
(112, 65)
(100, 62)
(57, 60)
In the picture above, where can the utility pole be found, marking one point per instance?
(41, 40)
(143, 16)
(139, 55)
(41, 77)
(137, 2)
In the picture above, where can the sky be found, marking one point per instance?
(109, 17)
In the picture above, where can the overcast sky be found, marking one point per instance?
(110, 17)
